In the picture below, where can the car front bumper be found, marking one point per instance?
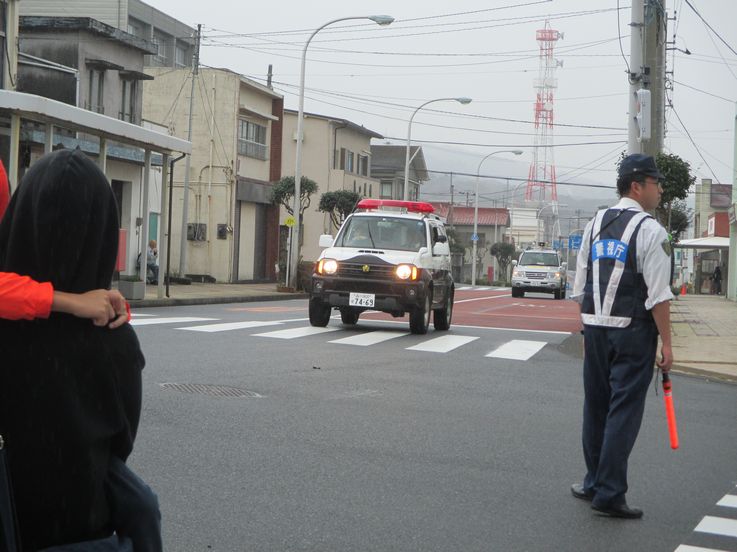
(389, 296)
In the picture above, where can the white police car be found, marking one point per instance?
(539, 270)
(391, 256)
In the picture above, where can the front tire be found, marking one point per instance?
(419, 319)
(441, 318)
(516, 292)
(319, 313)
(349, 316)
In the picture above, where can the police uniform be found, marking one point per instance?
(622, 271)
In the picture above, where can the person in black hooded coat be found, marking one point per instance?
(70, 392)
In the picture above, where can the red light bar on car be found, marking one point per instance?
(411, 206)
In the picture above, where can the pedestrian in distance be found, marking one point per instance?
(622, 285)
(70, 391)
(717, 281)
(151, 259)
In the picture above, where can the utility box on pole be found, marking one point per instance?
(644, 114)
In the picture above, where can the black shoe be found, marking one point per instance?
(618, 511)
(578, 491)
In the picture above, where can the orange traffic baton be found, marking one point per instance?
(670, 411)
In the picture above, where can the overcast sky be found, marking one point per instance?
(376, 76)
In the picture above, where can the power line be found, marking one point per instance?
(703, 91)
(475, 144)
(690, 5)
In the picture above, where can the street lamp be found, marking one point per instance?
(382, 20)
(476, 211)
(555, 206)
(461, 100)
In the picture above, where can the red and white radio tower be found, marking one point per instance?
(542, 169)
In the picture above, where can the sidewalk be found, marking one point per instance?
(205, 294)
(705, 335)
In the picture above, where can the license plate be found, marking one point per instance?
(361, 299)
(536, 282)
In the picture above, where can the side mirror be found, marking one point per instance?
(564, 264)
(441, 248)
(442, 239)
(326, 240)
(514, 263)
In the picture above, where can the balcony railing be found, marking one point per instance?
(253, 149)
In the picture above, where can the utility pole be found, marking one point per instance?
(647, 71)
(635, 74)
(654, 59)
(450, 209)
(185, 202)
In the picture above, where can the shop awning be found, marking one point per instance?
(704, 243)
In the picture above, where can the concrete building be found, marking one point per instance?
(85, 63)
(172, 40)
(387, 166)
(233, 230)
(337, 155)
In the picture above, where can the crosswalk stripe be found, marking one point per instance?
(718, 526)
(370, 338)
(687, 548)
(227, 326)
(728, 501)
(139, 315)
(443, 344)
(517, 349)
(293, 333)
(170, 320)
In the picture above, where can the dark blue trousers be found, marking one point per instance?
(617, 370)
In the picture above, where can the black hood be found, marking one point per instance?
(62, 224)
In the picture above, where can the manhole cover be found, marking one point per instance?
(211, 390)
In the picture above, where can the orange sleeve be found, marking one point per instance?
(23, 298)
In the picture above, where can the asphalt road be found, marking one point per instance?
(372, 444)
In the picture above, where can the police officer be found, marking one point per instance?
(622, 285)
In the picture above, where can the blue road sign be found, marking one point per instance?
(556, 244)
(574, 242)
(474, 237)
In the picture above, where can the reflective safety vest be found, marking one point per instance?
(615, 292)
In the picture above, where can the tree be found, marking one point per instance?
(283, 193)
(338, 205)
(503, 252)
(453, 242)
(680, 218)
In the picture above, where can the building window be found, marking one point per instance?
(252, 140)
(128, 101)
(160, 43)
(349, 161)
(363, 165)
(387, 189)
(97, 91)
(181, 56)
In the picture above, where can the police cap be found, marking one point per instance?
(639, 164)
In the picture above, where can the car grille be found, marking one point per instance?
(536, 275)
(355, 270)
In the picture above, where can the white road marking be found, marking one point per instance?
(372, 320)
(227, 326)
(370, 338)
(687, 548)
(482, 298)
(170, 320)
(139, 315)
(718, 526)
(294, 333)
(728, 501)
(517, 349)
(443, 344)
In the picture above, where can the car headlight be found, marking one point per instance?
(518, 274)
(556, 276)
(327, 266)
(406, 272)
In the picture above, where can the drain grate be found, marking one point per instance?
(211, 390)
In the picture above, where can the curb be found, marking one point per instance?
(177, 302)
(700, 372)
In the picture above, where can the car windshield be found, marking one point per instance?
(539, 259)
(383, 233)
